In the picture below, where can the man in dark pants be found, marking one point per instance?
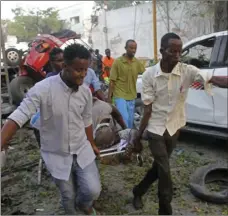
(164, 92)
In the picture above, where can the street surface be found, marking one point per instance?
(20, 193)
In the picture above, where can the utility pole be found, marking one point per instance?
(155, 31)
(135, 23)
(105, 22)
(167, 14)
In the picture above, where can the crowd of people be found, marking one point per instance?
(74, 120)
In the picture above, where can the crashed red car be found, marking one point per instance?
(35, 63)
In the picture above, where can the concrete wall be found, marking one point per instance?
(185, 18)
(84, 11)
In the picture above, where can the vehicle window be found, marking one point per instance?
(223, 57)
(199, 54)
(226, 57)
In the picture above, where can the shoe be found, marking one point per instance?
(137, 201)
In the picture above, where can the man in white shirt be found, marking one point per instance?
(164, 91)
(66, 134)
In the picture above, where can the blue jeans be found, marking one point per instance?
(127, 110)
(82, 188)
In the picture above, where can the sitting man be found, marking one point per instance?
(106, 131)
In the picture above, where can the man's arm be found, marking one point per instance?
(21, 115)
(145, 119)
(148, 96)
(118, 117)
(206, 77)
(141, 68)
(97, 86)
(221, 82)
(87, 118)
(110, 91)
(113, 78)
(8, 130)
(89, 134)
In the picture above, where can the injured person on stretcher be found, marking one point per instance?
(110, 132)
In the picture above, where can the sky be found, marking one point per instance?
(6, 6)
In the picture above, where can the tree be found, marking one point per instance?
(112, 5)
(27, 24)
(221, 16)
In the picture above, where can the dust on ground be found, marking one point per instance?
(20, 193)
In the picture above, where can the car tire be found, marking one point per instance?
(19, 86)
(13, 57)
(208, 174)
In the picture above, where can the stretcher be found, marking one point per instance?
(119, 149)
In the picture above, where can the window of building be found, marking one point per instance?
(75, 20)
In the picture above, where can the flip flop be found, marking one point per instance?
(94, 212)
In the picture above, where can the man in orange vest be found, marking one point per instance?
(107, 64)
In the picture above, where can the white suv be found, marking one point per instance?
(206, 114)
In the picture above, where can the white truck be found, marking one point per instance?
(206, 114)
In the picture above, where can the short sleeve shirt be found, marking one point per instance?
(125, 75)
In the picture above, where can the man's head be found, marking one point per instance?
(56, 59)
(76, 63)
(108, 53)
(105, 137)
(171, 48)
(130, 47)
(97, 51)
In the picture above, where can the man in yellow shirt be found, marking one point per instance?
(123, 77)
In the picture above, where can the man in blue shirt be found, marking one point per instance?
(92, 81)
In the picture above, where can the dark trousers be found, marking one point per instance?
(161, 148)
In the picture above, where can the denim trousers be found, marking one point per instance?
(82, 188)
(161, 148)
(127, 110)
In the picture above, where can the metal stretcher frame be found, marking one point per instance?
(111, 151)
(115, 150)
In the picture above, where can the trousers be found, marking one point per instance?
(127, 110)
(82, 188)
(161, 148)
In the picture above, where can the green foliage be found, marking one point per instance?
(112, 5)
(27, 24)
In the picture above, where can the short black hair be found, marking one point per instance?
(75, 51)
(129, 41)
(107, 50)
(96, 50)
(165, 39)
(55, 51)
(91, 50)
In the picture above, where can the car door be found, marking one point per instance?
(220, 95)
(199, 104)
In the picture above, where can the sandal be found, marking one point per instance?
(94, 212)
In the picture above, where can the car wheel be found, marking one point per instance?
(208, 174)
(19, 86)
(13, 57)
